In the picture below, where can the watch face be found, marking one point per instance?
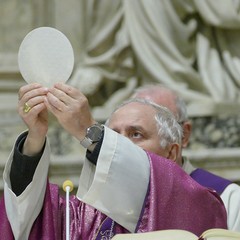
(94, 133)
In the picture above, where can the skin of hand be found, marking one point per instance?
(36, 119)
(71, 109)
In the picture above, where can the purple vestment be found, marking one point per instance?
(210, 180)
(174, 201)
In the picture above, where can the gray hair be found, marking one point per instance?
(169, 130)
(181, 109)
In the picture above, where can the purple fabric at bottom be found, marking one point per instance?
(174, 201)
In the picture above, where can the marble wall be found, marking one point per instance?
(215, 145)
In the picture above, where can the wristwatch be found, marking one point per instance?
(93, 135)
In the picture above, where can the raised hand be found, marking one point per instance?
(71, 109)
(33, 111)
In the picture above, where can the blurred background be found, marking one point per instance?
(191, 46)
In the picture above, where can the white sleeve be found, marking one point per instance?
(118, 184)
(231, 199)
(22, 210)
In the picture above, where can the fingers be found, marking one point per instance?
(31, 98)
(31, 90)
(63, 98)
(68, 90)
(58, 98)
(32, 109)
(54, 104)
(26, 88)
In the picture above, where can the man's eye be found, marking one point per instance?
(136, 135)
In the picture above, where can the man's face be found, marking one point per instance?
(136, 121)
(166, 98)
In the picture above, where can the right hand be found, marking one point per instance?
(70, 106)
(36, 119)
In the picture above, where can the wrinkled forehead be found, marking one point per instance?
(161, 97)
(133, 111)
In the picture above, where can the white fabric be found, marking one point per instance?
(120, 174)
(115, 177)
(20, 213)
(230, 197)
(231, 200)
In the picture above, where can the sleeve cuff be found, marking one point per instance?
(23, 166)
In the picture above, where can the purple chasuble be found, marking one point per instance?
(210, 180)
(174, 201)
(85, 221)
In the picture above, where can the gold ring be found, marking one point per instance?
(26, 108)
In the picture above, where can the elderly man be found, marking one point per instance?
(228, 191)
(125, 185)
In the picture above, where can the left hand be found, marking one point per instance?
(36, 118)
(71, 109)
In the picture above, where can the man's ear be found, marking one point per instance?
(173, 152)
(187, 130)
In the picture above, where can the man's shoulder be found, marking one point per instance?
(210, 180)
